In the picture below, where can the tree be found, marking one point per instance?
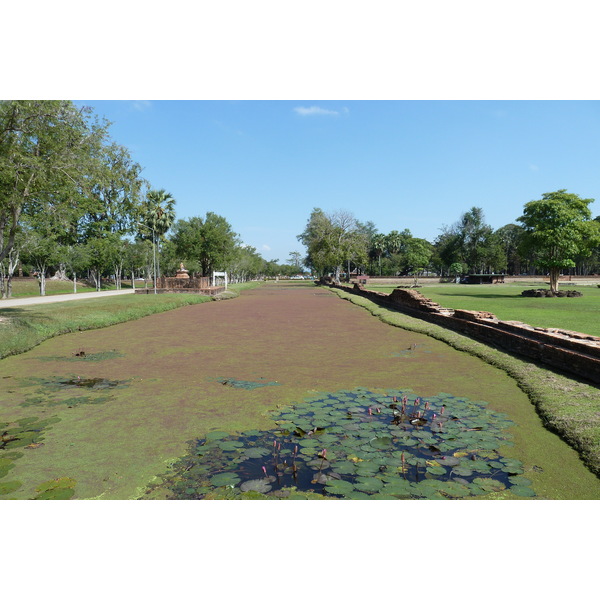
(332, 240)
(209, 241)
(509, 237)
(295, 259)
(136, 256)
(75, 258)
(48, 151)
(559, 227)
(157, 214)
(40, 251)
(114, 201)
(447, 252)
(247, 264)
(378, 247)
(472, 242)
(100, 252)
(417, 256)
(8, 267)
(474, 238)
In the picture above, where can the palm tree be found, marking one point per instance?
(378, 247)
(158, 216)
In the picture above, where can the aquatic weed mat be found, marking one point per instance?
(23, 434)
(358, 444)
(294, 338)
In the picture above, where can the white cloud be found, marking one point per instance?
(266, 248)
(310, 111)
(141, 104)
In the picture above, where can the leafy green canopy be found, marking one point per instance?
(558, 229)
(333, 239)
(209, 243)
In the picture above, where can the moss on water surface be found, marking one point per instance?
(302, 341)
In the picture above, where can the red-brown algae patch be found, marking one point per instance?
(303, 339)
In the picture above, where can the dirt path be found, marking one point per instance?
(300, 339)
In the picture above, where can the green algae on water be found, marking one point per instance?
(244, 385)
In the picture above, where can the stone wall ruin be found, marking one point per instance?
(568, 351)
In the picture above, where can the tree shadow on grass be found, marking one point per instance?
(476, 296)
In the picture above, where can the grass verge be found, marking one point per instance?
(22, 328)
(566, 406)
(505, 301)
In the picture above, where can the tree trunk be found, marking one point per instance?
(554, 275)
(338, 269)
(132, 280)
(42, 282)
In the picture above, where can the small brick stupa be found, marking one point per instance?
(182, 272)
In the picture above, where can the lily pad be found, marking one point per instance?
(519, 480)
(255, 452)
(339, 487)
(368, 484)
(230, 446)
(7, 487)
(224, 479)
(217, 435)
(522, 490)
(489, 485)
(258, 485)
(436, 470)
(400, 488)
(381, 442)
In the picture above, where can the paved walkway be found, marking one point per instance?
(11, 302)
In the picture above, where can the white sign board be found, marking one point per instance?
(219, 274)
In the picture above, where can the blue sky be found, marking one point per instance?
(264, 165)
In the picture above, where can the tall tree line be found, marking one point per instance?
(554, 234)
(73, 204)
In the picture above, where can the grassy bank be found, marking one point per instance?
(565, 405)
(23, 328)
(505, 301)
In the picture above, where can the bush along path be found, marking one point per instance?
(285, 392)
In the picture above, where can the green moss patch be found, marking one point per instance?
(244, 385)
(82, 355)
(56, 489)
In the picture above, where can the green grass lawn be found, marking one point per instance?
(25, 288)
(506, 302)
